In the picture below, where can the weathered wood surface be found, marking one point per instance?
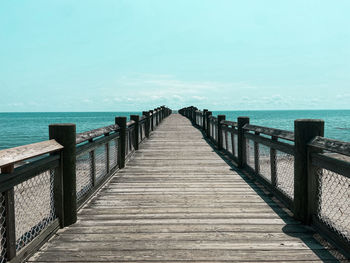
(88, 135)
(21, 153)
(286, 135)
(178, 201)
(331, 145)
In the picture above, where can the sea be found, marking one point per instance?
(29, 127)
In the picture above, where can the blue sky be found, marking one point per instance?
(112, 55)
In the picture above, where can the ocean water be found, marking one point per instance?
(337, 122)
(24, 128)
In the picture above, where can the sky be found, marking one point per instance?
(116, 55)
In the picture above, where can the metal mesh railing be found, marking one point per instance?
(250, 156)
(285, 173)
(84, 174)
(34, 207)
(235, 145)
(130, 141)
(334, 201)
(101, 162)
(264, 162)
(2, 229)
(113, 153)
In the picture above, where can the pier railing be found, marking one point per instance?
(43, 185)
(309, 173)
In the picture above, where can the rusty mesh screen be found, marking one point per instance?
(264, 162)
(249, 144)
(113, 153)
(84, 174)
(34, 207)
(285, 173)
(334, 201)
(101, 162)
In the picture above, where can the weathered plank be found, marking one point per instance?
(25, 152)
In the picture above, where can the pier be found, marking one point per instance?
(184, 187)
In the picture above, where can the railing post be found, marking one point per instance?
(207, 122)
(304, 132)
(121, 122)
(220, 118)
(204, 118)
(156, 116)
(241, 121)
(151, 120)
(136, 119)
(147, 123)
(65, 134)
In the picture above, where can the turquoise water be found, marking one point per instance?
(337, 122)
(24, 128)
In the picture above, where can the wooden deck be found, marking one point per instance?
(179, 201)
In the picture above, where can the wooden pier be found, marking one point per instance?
(186, 187)
(177, 200)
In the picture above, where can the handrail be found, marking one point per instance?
(331, 145)
(229, 123)
(25, 152)
(129, 124)
(285, 135)
(88, 135)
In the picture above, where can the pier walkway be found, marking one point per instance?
(178, 200)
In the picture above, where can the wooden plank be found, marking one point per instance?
(25, 152)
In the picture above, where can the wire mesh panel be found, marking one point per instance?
(250, 153)
(34, 207)
(229, 142)
(264, 162)
(285, 173)
(223, 136)
(101, 162)
(235, 145)
(84, 174)
(2, 229)
(334, 202)
(130, 141)
(113, 153)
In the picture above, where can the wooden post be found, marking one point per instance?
(207, 122)
(151, 120)
(304, 132)
(241, 121)
(273, 164)
(219, 130)
(65, 134)
(256, 155)
(204, 118)
(156, 115)
(136, 119)
(9, 225)
(121, 122)
(147, 123)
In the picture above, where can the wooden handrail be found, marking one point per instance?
(331, 145)
(286, 135)
(14, 155)
(88, 135)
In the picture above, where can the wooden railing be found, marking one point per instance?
(43, 185)
(309, 173)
